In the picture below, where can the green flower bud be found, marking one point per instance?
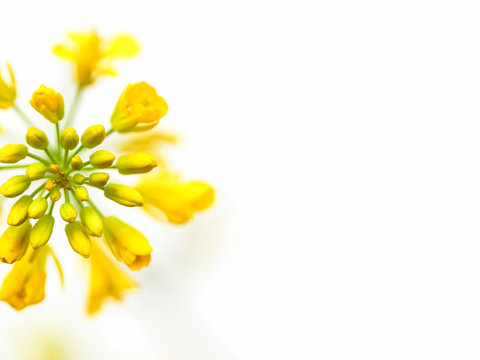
(36, 171)
(124, 195)
(37, 208)
(69, 138)
(99, 179)
(36, 138)
(76, 163)
(78, 179)
(93, 136)
(15, 186)
(14, 242)
(41, 231)
(68, 212)
(81, 193)
(19, 211)
(10, 154)
(91, 221)
(55, 195)
(78, 238)
(102, 159)
(138, 163)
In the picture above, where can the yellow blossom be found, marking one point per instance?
(139, 108)
(92, 56)
(25, 284)
(177, 200)
(49, 103)
(127, 243)
(8, 92)
(106, 280)
(14, 242)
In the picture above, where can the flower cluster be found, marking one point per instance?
(61, 173)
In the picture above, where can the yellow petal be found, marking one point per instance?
(123, 46)
(64, 52)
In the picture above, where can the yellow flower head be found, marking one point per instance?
(49, 103)
(106, 280)
(177, 200)
(139, 108)
(92, 56)
(8, 92)
(25, 283)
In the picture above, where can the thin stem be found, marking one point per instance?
(36, 157)
(51, 208)
(109, 132)
(76, 152)
(57, 127)
(73, 109)
(7, 167)
(65, 157)
(49, 154)
(67, 195)
(113, 167)
(38, 189)
(92, 204)
(79, 203)
(24, 116)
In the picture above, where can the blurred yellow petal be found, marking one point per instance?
(64, 52)
(123, 46)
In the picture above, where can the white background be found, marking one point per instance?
(342, 139)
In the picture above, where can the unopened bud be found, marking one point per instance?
(19, 211)
(69, 138)
(41, 231)
(81, 193)
(55, 195)
(15, 186)
(10, 154)
(54, 168)
(93, 136)
(68, 212)
(76, 163)
(102, 159)
(36, 138)
(49, 185)
(36, 171)
(78, 179)
(99, 179)
(124, 195)
(138, 163)
(91, 221)
(14, 242)
(78, 238)
(37, 208)
(49, 103)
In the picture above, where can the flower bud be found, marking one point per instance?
(15, 186)
(37, 208)
(49, 185)
(99, 179)
(10, 154)
(14, 242)
(138, 109)
(68, 212)
(78, 238)
(19, 211)
(55, 195)
(36, 171)
(69, 138)
(138, 163)
(91, 221)
(49, 103)
(54, 168)
(81, 193)
(93, 136)
(78, 179)
(41, 231)
(76, 163)
(123, 194)
(102, 159)
(36, 138)
(8, 93)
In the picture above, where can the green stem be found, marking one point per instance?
(51, 208)
(65, 157)
(92, 204)
(57, 127)
(73, 109)
(109, 132)
(67, 195)
(38, 189)
(76, 152)
(49, 154)
(36, 157)
(24, 116)
(14, 166)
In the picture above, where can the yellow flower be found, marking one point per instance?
(8, 93)
(127, 243)
(14, 242)
(92, 56)
(139, 108)
(177, 200)
(106, 280)
(49, 103)
(25, 284)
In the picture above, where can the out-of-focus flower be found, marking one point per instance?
(106, 280)
(139, 108)
(49, 103)
(25, 283)
(92, 56)
(163, 192)
(8, 92)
